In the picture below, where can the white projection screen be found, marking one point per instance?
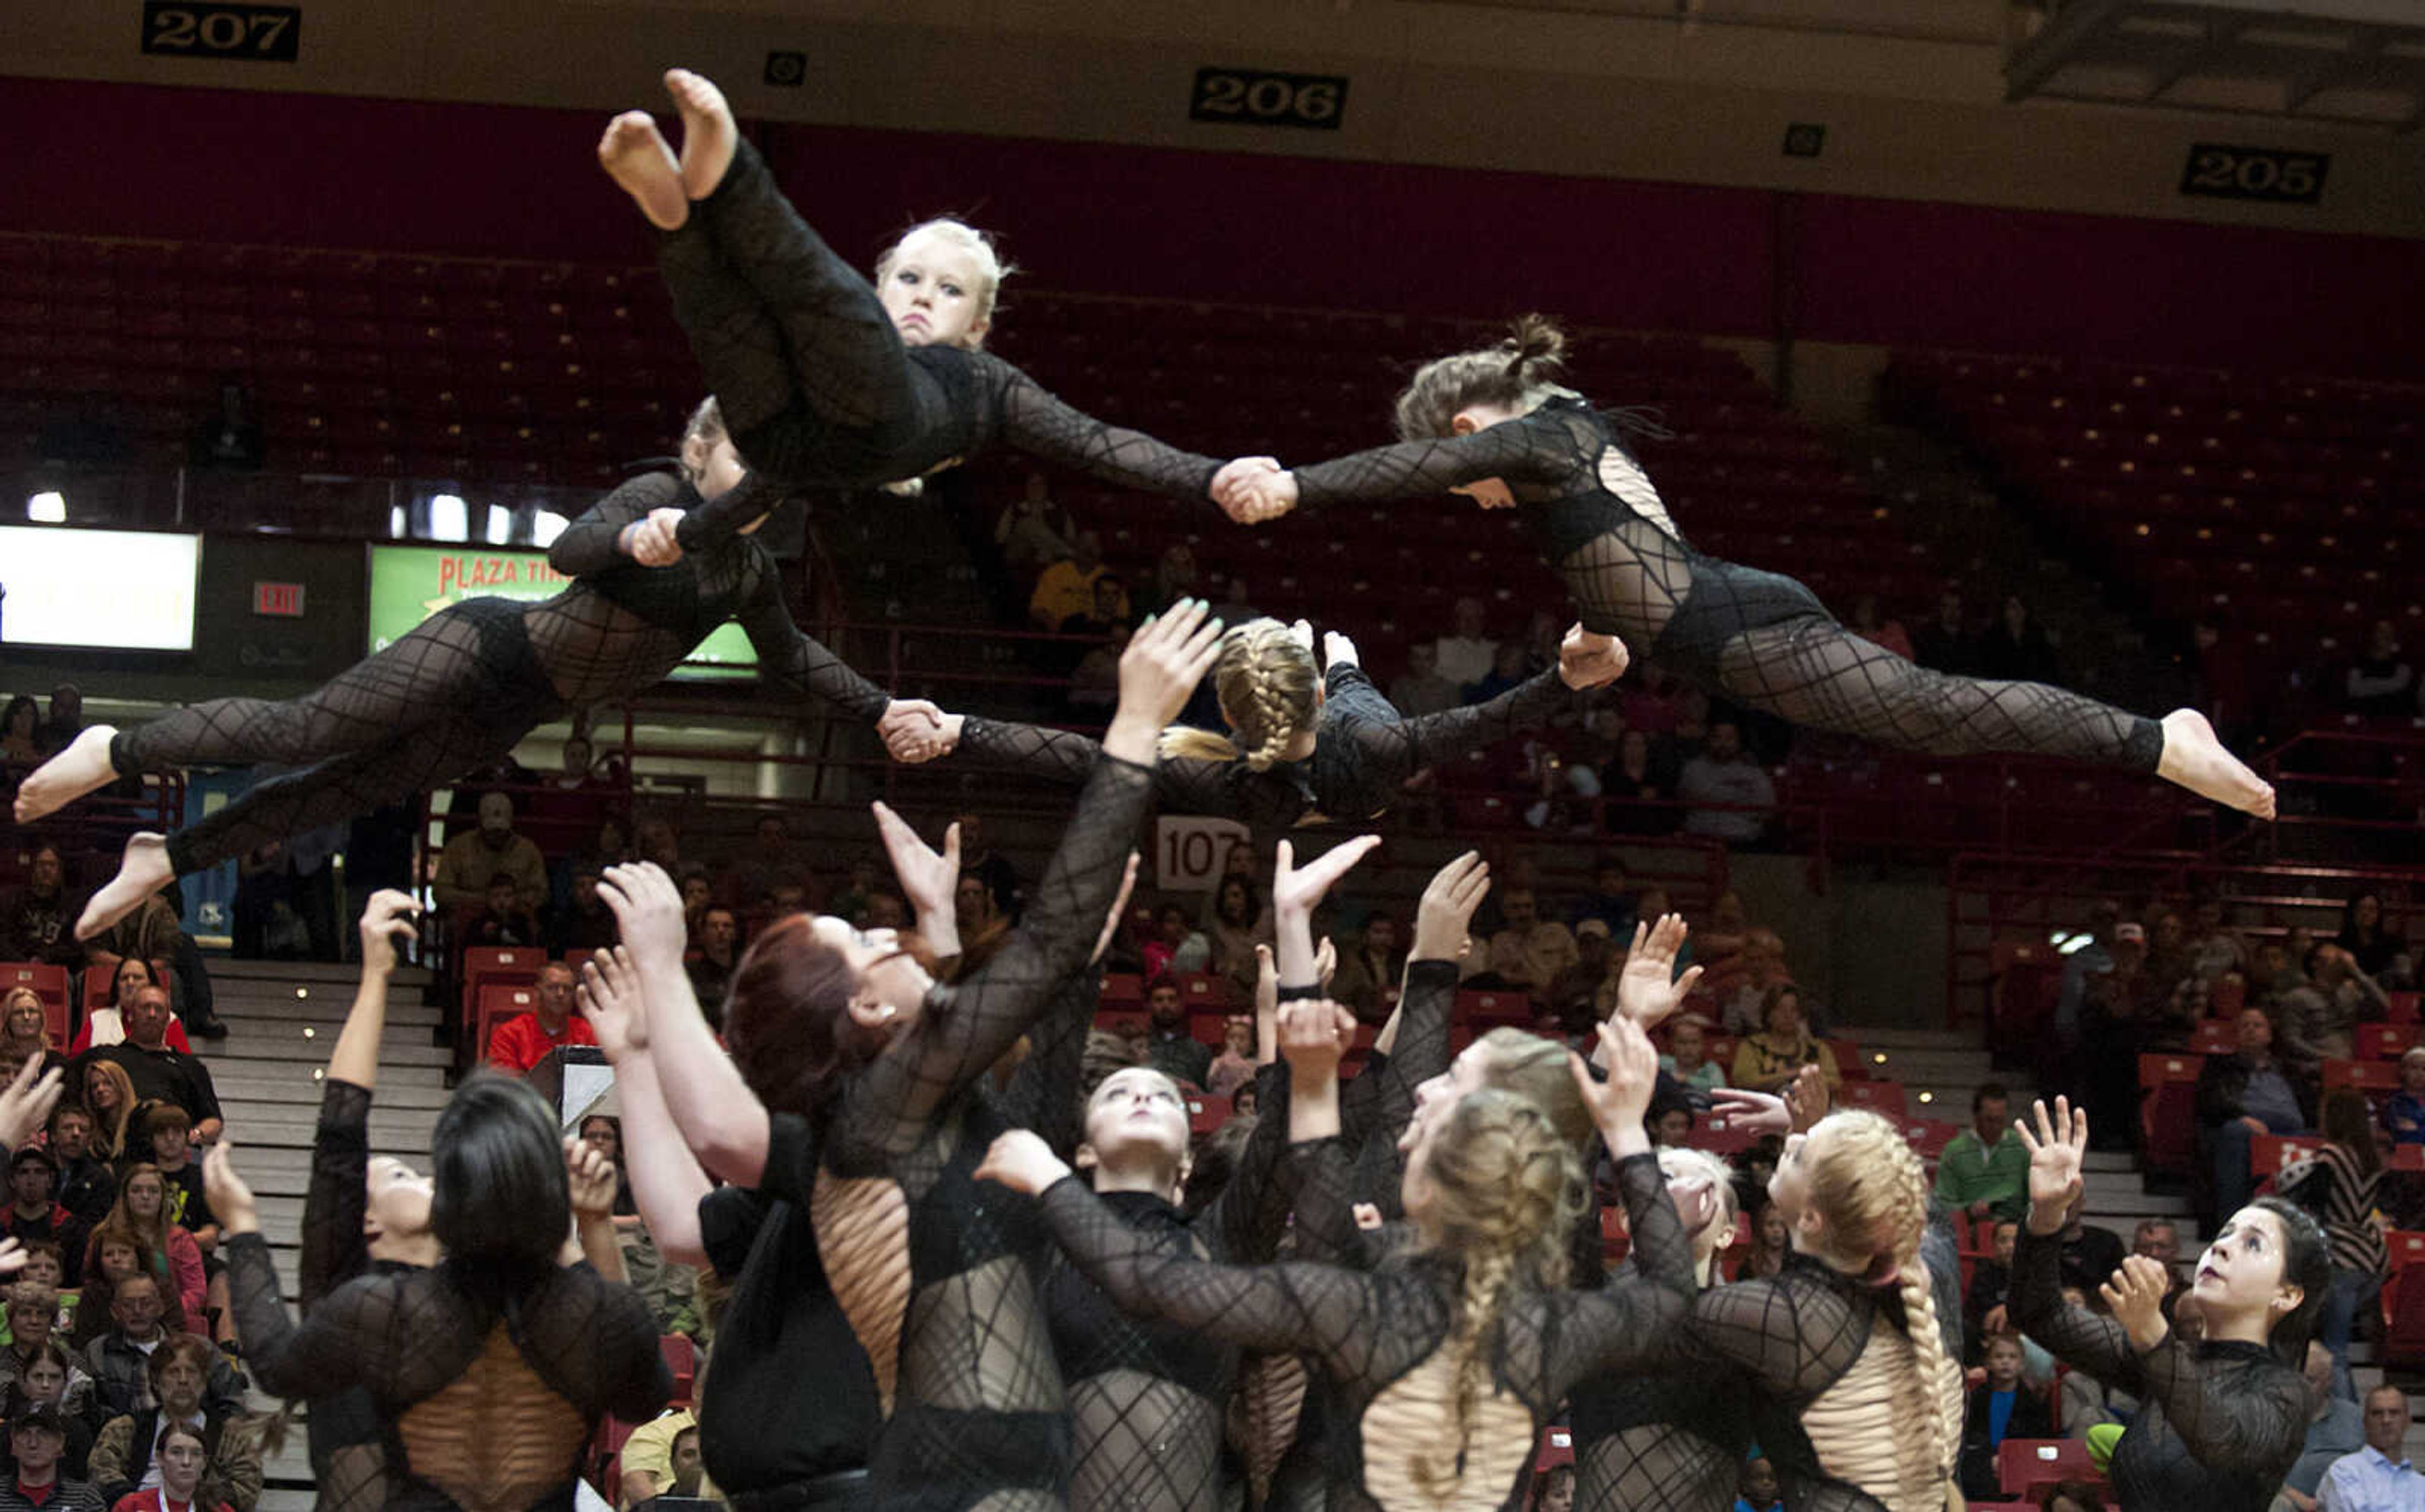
(113, 590)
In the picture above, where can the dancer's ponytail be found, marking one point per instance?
(1517, 372)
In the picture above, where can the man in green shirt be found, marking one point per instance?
(1985, 1170)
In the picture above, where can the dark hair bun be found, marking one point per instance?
(1533, 344)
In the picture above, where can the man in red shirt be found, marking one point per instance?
(37, 1436)
(521, 1041)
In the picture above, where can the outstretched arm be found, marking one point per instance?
(597, 542)
(2076, 1336)
(666, 1182)
(800, 663)
(333, 1248)
(1529, 449)
(1034, 420)
(1182, 784)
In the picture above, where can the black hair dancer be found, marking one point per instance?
(936, 1275)
(825, 379)
(1446, 1362)
(2220, 1421)
(490, 1370)
(461, 689)
(1305, 745)
(1495, 425)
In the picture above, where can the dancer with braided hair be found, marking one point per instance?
(2220, 1421)
(1442, 1365)
(823, 379)
(1305, 741)
(462, 687)
(1859, 1404)
(1496, 425)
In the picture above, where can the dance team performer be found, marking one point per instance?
(462, 687)
(1496, 425)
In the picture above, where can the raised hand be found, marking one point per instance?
(1119, 906)
(1326, 962)
(1021, 1161)
(1338, 648)
(1165, 661)
(2135, 1296)
(648, 909)
(387, 921)
(1299, 889)
(26, 1104)
(611, 1000)
(652, 541)
(1761, 1113)
(1302, 633)
(591, 1178)
(231, 1199)
(1589, 659)
(1648, 988)
(927, 876)
(1617, 1105)
(1445, 917)
(914, 730)
(1267, 1005)
(1807, 1097)
(2057, 1149)
(1314, 1035)
(13, 1257)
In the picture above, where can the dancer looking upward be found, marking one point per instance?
(823, 379)
(461, 689)
(1496, 425)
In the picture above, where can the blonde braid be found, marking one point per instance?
(1266, 683)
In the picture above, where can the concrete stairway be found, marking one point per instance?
(282, 1020)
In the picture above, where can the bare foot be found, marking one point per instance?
(80, 768)
(142, 871)
(708, 132)
(2196, 760)
(635, 156)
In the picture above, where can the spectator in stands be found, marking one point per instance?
(182, 1202)
(2002, 1407)
(884, 911)
(2093, 959)
(152, 932)
(1767, 1061)
(1986, 1302)
(1529, 951)
(160, 1222)
(186, 1477)
(2379, 950)
(654, 838)
(67, 718)
(1368, 978)
(1573, 997)
(567, 807)
(2320, 1018)
(157, 1071)
(108, 1095)
(2403, 1111)
(1610, 900)
(521, 1041)
(1169, 1048)
(1065, 589)
(35, 1211)
(2160, 1241)
(38, 920)
(1636, 778)
(2352, 1191)
(2213, 948)
(1421, 689)
(1176, 947)
(2090, 1253)
(1724, 773)
(716, 950)
(1173, 578)
(661, 1458)
(1759, 1487)
(39, 1369)
(1505, 672)
(979, 858)
(21, 733)
(119, 1359)
(1946, 643)
(2377, 1478)
(1465, 654)
(1771, 1241)
(1871, 625)
(2241, 1096)
(696, 893)
(584, 924)
(1033, 531)
(1234, 1067)
(2335, 1426)
(2016, 647)
(501, 921)
(228, 438)
(1555, 1490)
(1095, 682)
(604, 1134)
(470, 861)
(1742, 981)
(1240, 923)
(38, 1439)
(2381, 683)
(1985, 1170)
(1686, 1059)
(128, 1454)
(86, 1186)
(26, 1033)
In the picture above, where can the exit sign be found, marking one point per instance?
(278, 600)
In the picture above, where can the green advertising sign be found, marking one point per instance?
(408, 583)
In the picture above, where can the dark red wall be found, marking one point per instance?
(320, 170)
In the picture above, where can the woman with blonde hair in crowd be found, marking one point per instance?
(109, 1097)
(140, 1217)
(26, 1033)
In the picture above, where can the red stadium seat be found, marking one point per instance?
(2215, 1037)
(2403, 1008)
(498, 1003)
(2024, 1463)
(2168, 1111)
(2270, 1155)
(1930, 1136)
(2384, 1041)
(682, 1360)
(1202, 990)
(1885, 1097)
(1206, 1115)
(2366, 1076)
(515, 967)
(1557, 1448)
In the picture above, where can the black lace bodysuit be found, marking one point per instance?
(936, 1272)
(461, 689)
(1364, 753)
(1755, 637)
(814, 380)
(487, 1386)
(2219, 1424)
(1378, 1337)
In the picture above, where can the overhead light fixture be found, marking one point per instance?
(450, 519)
(49, 508)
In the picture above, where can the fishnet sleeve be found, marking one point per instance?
(1043, 1091)
(2075, 1335)
(1245, 1224)
(1527, 450)
(1182, 784)
(799, 663)
(342, 1344)
(589, 545)
(1758, 1325)
(1636, 1321)
(712, 521)
(1425, 1004)
(1036, 422)
(965, 1027)
(1320, 1309)
(2248, 1420)
(333, 1248)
